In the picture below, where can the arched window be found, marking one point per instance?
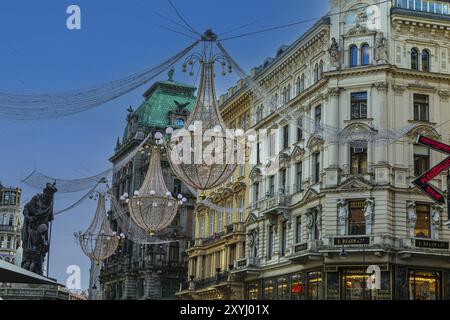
(426, 60)
(365, 54)
(414, 59)
(320, 69)
(353, 56)
(316, 72)
(302, 82)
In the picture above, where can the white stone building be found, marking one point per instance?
(332, 196)
(10, 225)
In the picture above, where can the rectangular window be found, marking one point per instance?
(359, 105)
(269, 290)
(316, 167)
(356, 221)
(422, 227)
(258, 153)
(421, 160)
(202, 227)
(297, 287)
(256, 191)
(298, 229)
(283, 238)
(253, 291)
(314, 285)
(283, 181)
(229, 214)
(317, 117)
(211, 223)
(285, 137)
(176, 187)
(299, 129)
(283, 288)
(298, 177)
(220, 221)
(270, 242)
(272, 186)
(358, 158)
(424, 285)
(421, 107)
(241, 209)
(272, 144)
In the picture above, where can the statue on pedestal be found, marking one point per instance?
(38, 213)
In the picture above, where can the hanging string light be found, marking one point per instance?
(153, 207)
(99, 241)
(203, 153)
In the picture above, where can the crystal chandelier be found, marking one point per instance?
(99, 241)
(203, 153)
(153, 207)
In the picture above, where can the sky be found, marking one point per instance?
(38, 54)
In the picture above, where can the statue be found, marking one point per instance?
(368, 214)
(334, 53)
(436, 211)
(412, 217)
(310, 223)
(381, 45)
(38, 213)
(342, 216)
(253, 237)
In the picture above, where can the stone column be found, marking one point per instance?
(381, 167)
(332, 172)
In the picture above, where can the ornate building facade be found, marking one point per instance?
(220, 216)
(10, 225)
(150, 271)
(330, 193)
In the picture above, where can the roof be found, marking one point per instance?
(162, 98)
(11, 273)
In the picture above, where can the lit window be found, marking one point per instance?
(422, 227)
(358, 157)
(356, 221)
(424, 285)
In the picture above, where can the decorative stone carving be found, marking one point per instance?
(411, 217)
(382, 86)
(369, 214)
(334, 53)
(436, 211)
(310, 223)
(342, 216)
(381, 49)
(443, 95)
(253, 237)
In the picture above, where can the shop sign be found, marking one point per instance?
(420, 243)
(351, 241)
(300, 247)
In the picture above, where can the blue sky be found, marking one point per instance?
(39, 54)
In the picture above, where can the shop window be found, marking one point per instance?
(354, 283)
(422, 227)
(421, 107)
(314, 285)
(356, 221)
(297, 287)
(358, 101)
(358, 157)
(253, 291)
(269, 290)
(421, 160)
(283, 288)
(424, 285)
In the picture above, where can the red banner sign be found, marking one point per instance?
(422, 182)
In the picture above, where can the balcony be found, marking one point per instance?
(248, 266)
(306, 251)
(275, 204)
(7, 228)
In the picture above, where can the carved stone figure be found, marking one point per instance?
(310, 223)
(318, 222)
(381, 46)
(436, 211)
(253, 243)
(334, 53)
(412, 217)
(368, 214)
(38, 213)
(342, 216)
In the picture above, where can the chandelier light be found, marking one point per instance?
(203, 153)
(99, 241)
(153, 207)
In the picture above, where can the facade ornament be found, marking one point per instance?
(334, 53)
(443, 95)
(411, 217)
(334, 91)
(436, 211)
(310, 223)
(398, 89)
(318, 221)
(369, 214)
(382, 86)
(253, 243)
(381, 46)
(342, 216)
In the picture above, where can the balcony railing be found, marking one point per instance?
(275, 202)
(7, 228)
(246, 263)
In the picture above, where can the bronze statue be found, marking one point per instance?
(38, 213)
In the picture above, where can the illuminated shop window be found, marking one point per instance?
(297, 287)
(269, 290)
(253, 291)
(315, 289)
(424, 285)
(354, 283)
(283, 288)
